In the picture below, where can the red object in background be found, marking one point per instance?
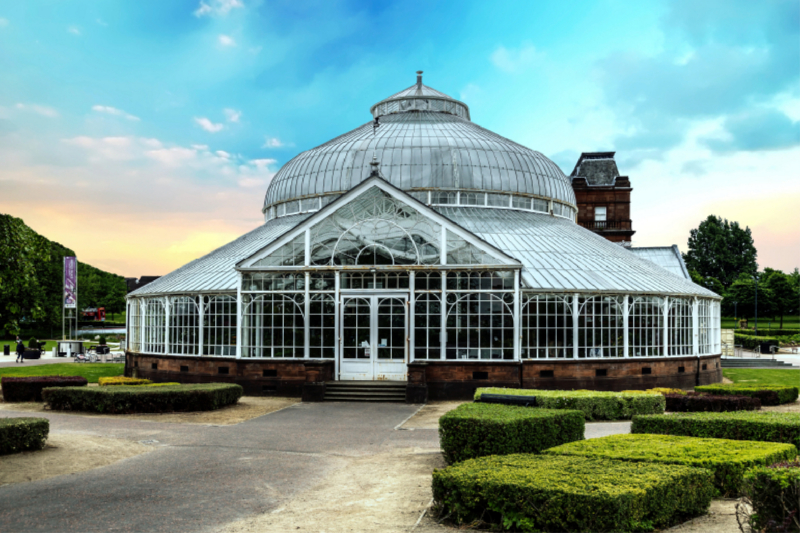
(92, 313)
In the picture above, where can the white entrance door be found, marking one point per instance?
(374, 337)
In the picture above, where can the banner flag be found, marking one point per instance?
(70, 282)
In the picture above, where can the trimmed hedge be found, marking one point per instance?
(742, 425)
(771, 332)
(774, 494)
(559, 493)
(29, 389)
(751, 342)
(596, 405)
(137, 399)
(768, 394)
(728, 459)
(682, 403)
(477, 429)
(23, 434)
(122, 380)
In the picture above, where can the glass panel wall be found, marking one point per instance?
(600, 327)
(547, 331)
(679, 326)
(219, 325)
(645, 326)
(184, 325)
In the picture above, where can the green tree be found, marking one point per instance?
(721, 250)
(743, 291)
(21, 297)
(710, 283)
(784, 294)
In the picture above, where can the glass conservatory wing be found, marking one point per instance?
(290, 254)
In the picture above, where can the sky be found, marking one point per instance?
(143, 134)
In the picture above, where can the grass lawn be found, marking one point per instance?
(91, 371)
(763, 376)
(789, 322)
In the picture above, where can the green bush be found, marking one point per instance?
(102, 340)
(29, 388)
(137, 399)
(768, 394)
(596, 405)
(478, 429)
(22, 434)
(737, 425)
(773, 492)
(751, 342)
(558, 493)
(771, 332)
(728, 459)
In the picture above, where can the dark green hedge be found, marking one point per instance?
(596, 405)
(692, 403)
(769, 332)
(22, 434)
(742, 425)
(751, 342)
(559, 493)
(774, 493)
(131, 399)
(478, 429)
(768, 394)
(29, 389)
(728, 459)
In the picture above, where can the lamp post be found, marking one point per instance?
(735, 312)
(756, 280)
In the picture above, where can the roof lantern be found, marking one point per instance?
(420, 97)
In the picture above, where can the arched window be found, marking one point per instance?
(219, 325)
(645, 326)
(600, 327)
(480, 326)
(322, 326)
(184, 321)
(705, 338)
(547, 327)
(273, 325)
(154, 325)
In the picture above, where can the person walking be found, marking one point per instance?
(20, 351)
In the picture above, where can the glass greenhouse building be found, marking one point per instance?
(424, 249)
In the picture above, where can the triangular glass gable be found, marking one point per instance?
(460, 252)
(290, 254)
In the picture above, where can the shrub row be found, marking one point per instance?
(596, 405)
(770, 332)
(558, 493)
(774, 494)
(751, 342)
(682, 403)
(137, 399)
(122, 380)
(728, 459)
(478, 429)
(21, 434)
(768, 394)
(742, 425)
(29, 389)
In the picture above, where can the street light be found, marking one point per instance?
(756, 280)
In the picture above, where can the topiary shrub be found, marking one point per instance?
(682, 403)
(33, 344)
(595, 405)
(137, 399)
(560, 493)
(29, 389)
(102, 340)
(122, 380)
(23, 434)
(477, 429)
(742, 425)
(773, 494)
(728, 459)
(768, 394)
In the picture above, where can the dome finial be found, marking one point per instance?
(419, 78)
(375, 164)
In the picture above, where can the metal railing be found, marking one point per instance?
(603, 224)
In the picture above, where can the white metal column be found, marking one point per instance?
(239, 316)
(517, 307)
(695, 328)
(307, 305)
(411, 301)
(337, 352)
(625, 314)
(576, 313)
(142, 308)
(201, 313)
(666, 326)
(443, 309)
(166, 323)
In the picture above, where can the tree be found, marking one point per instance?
(784, 294)
(21, 297)
(710, 283)
(721, 250)
(743, 291)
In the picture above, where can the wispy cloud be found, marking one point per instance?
(74, 30)
(273, 142)
(101, 22)
(217, 7)
(207, 125)
(39, 109)
(3, 22)
(232, 115)
(513, 60)
(114, 111)
(226, 40)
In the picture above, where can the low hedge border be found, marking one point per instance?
(768, 394)
(742, 425)
(728, 459)
(560, 493)
(23, 434)
(477, 429)
(774, 495)
(751, 342)
(682, 403)
(138, 399)
(122, 380)
(596, 405)
(29, 389)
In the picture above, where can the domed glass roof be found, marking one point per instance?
(424, 140)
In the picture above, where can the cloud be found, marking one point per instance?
(207, 125)
(102, 22)
(514, 60)
(226, 40)
(3, 22)
(762, 129)
(114, 111)
(74, 30)
(217, 7)
(232, 115)
(39, 109)
(262, 163)
(273, 142)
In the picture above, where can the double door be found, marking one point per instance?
(374, 337)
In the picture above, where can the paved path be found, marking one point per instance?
(202, 477)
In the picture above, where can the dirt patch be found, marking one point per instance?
(793, 407)
(381, 493)
(428, 416)
(247, 408)
(726, 381)
(67, 454)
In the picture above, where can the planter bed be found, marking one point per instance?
(478, 429)
(596, 405)
(768, 394)
(23, 434)
(143, 399)
(559, 493)
(728, 459)
(29, 389)
(743, 425)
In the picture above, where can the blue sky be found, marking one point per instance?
(150, 115)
